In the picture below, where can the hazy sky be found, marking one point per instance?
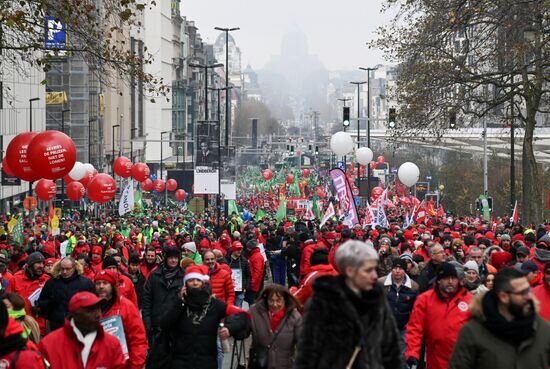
(336, 30)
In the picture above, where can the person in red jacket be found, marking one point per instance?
(125, 285)
(28, 284)
(82, 343)
(257, 269)
(542, 293)
(319, 267)
(436, 319)
(16, 351)
(220, 279)
(134, 330)
(309, 246)
(97, 259)
(149, 262)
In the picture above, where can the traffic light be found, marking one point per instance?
(452, 119)
(392, 118)
(346, 116)
(316, 150)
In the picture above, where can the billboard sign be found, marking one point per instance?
(56, 34)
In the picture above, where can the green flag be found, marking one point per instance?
(259, 215)
(485, 207)
(315, 207)
(18, 231)
(232, 207)
(138, 203)
(281, 212)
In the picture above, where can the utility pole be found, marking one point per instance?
(359, 123)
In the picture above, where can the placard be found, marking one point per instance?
(113, 325)
(206, 181)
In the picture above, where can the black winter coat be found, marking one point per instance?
(139, 285)
(157, 296)
(336, 321)
(241, 263)
(55, 296)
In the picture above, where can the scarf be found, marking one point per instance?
(513, 332)
(542, 254)
(17, 314)
(169, 274)
(276, 319)
(197, 302)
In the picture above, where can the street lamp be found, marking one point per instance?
(63, 130)
(359, 121)
(113, 148)
(206, 67)
(368, 70)
(132, 143)
(30, 129)
(227, 108)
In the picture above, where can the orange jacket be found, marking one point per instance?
(222, 284)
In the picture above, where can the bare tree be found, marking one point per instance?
(468, 59)
(97, 30)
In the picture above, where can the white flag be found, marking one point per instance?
(126, 203)
(328, 214)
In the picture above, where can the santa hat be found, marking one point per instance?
(199, 272)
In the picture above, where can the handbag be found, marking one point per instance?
(259, 354)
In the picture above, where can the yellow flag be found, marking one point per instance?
(56, 98)
(11, 224)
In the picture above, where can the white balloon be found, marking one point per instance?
(341, 143)
(78, 172)
(89, 167)
(408, 174)
(363, 155)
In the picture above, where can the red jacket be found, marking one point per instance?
(134, 331)
(542, 293)
(27, 358)
(423, 252)
(257, 267)
(126, 288)
(22, 285)
(62, 350)
(303, 294)
(436, 323)
(306, 255)
(222, 284)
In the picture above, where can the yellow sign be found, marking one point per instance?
(56, 98)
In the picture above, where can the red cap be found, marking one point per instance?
(237, 245)
(97, 250)
(50, 261)
(106, 275)
(82, 300)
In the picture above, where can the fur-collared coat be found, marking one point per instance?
(337, 320)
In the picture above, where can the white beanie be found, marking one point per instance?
(190, 246)
(471, 265)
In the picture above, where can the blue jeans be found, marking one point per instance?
(220, 353)
(239, 298)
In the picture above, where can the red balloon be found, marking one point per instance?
(267, 174)
(122, 167)
(290, 178)
(87, 178)
(17, 156)
(67, 179)
(305, 172)
(75, 191)
(52, 154)
(102, 188)
(171, 185)
(7, 168)
(376, 192)
(158, 185)
(140, 172)
(380, 160)
(180, 195)
(147, 185)
(45, 189)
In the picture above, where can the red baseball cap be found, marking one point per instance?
(82, 300)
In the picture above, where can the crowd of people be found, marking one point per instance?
(169, 290)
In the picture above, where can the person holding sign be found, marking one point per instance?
(121, 318)
(82, 342)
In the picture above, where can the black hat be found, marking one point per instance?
(398, 262)
(446, 270)
(529, 267)
(523, 250)
(109, 261)
(35, 257)
(319, 256)
(170, 251)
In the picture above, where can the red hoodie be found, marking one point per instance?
(257, 268)
(303, 294)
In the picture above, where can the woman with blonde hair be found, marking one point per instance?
(276, 326)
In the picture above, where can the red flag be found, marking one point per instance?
(515, 214)
(431, 208)
(421, 213)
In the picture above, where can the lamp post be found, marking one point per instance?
(368, 70)
(113, 147)
(358, 84)
(161, 162)
(30, 129)
(63, 130)
(132, 143)
(227, 108)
